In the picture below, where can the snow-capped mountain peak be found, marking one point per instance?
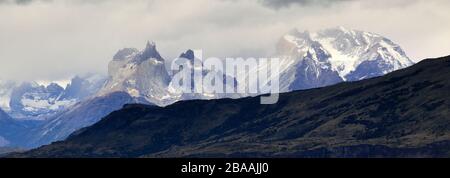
(142, 74)
(351, 53)
(150, 52)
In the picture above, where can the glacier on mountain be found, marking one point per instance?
(317, 59)
(32, 100)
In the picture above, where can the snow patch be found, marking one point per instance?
(340, 62)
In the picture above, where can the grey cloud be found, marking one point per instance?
(277, 4)
(67, 37)
(21, 2)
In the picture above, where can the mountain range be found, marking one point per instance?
(402, 114)
(34, 101)
(308, 60)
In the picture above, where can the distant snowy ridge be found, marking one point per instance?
(32, 100)
(142, 74)
(316, 59)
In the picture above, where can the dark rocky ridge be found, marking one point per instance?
(403, 114)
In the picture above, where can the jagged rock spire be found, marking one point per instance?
(189, 54)
(150, 52)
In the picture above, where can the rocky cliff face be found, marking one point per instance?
(141, 74)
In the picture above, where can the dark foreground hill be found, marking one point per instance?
(403, 114)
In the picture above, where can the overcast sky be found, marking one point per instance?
(56, 39)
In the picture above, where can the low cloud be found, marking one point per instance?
(22, 2)
(277, 4)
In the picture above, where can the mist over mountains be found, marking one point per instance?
(30, 100)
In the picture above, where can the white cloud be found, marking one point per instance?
(53, 40)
